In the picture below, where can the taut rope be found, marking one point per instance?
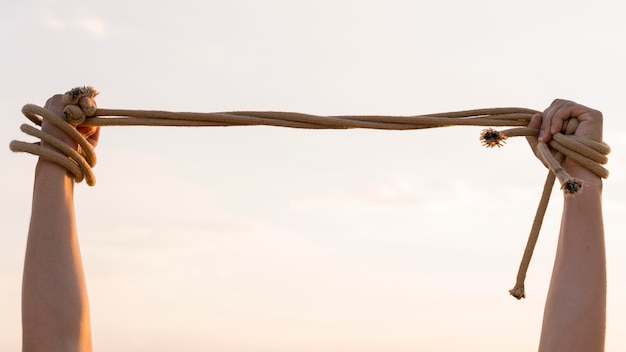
(81, 109)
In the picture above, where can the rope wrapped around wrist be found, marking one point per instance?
(81, 109)
(79, 103)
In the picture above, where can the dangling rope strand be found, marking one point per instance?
(519, 291)
(81, 109)
(554, 164)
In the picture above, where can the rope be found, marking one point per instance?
(81, 109)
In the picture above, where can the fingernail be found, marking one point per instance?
(542, 134)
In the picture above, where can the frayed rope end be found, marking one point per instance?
(572, 187)
(518, 292)
(492, 138)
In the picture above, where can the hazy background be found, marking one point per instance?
(274, 239)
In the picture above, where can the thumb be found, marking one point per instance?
(535, 123)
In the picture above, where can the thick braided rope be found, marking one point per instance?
(81, 109)
(554, 161)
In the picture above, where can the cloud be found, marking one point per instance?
(53, 23)
(92, 26)
(395, 193)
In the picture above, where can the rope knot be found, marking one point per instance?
(79, 103)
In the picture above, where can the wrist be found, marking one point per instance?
(63, 138)
(578, 171)
(591, 182)
(52, 182)
(49, 172)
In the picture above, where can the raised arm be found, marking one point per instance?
(55, 308)
(575, 311)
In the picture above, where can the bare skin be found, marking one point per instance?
(575, 312)
(55, 307)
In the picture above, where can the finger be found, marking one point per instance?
(544, 129)
(535, 123)
(86, 130)
(549, 122)
(94, 137)
(565, 111)
(54, 103)
(91, 133)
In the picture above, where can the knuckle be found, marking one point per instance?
(567, 104)
(55, 101)
(597, 114)
(560, 101)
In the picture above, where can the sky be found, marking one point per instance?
(275, 239)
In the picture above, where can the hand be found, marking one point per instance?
(551, 121)
(560, 110)
(56, 106)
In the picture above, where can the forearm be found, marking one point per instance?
(55, 314)
(575, 313)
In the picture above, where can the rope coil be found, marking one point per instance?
(81, 109)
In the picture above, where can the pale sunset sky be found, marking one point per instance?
(250, 239)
